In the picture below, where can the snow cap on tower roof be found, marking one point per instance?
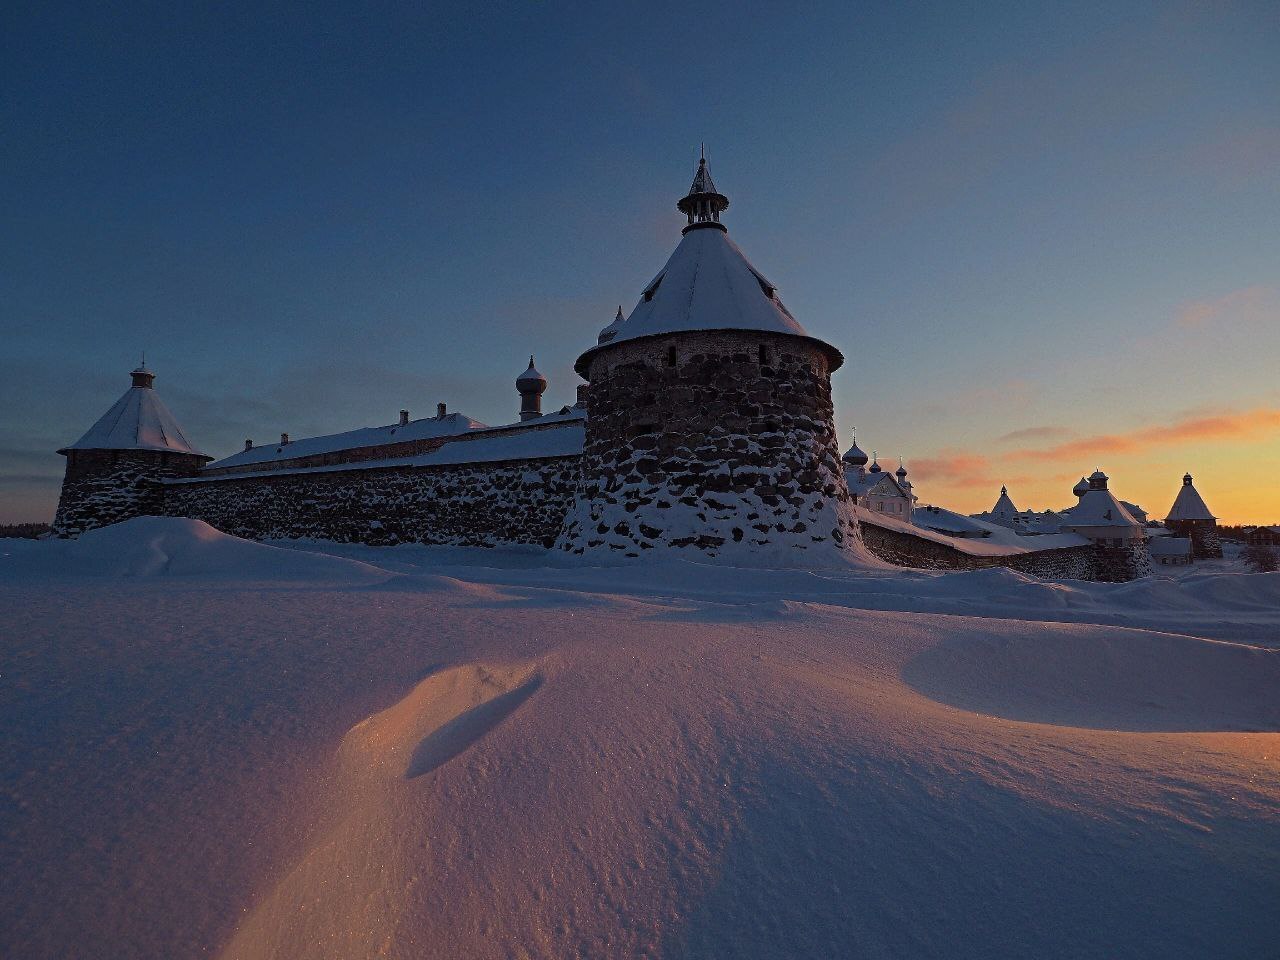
(707, 284)
(531, 375)
(1188, 504)
(139, 420)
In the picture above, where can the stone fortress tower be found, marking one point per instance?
(1190, 517)
(112, 471)
(709, 415)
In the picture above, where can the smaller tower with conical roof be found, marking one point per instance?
(531, 385)
(113, 471)
(1190, 517)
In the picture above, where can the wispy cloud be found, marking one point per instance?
(1247, 305)
(1227, 425)
(1047, 432)
(955, 468)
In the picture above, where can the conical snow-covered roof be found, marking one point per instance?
(1004, 505)
(1099, 507)
(1188, 504)
(707, 284)
(139, 420)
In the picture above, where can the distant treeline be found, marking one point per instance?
(25, 531)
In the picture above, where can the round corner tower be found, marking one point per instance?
(112, 471)
(710, 420)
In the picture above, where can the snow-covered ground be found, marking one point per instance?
(220, 748)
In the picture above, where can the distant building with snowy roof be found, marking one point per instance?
(1101, 516)
(1003, 513)
(1190, 517)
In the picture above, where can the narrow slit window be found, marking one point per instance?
(671, 356)
(764, 355)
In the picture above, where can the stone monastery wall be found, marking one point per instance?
(102, 487)
(711, 440)
(477, 504)
(1084, 562)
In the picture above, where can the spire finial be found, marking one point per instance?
(704, 203)
(531, 361)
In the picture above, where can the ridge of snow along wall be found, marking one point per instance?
(467, 504)
(719, 440)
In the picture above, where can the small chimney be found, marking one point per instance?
(404, 418)
(284, 439)
(440, 411)
(248, 444)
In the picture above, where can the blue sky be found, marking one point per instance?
(1014, 219)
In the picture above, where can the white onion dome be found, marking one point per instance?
(531, 381)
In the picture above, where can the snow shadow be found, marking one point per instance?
(1106, 679)
(446, 742)
(763, 611)
(880, 859)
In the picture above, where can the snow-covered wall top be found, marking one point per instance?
(562, 437)
(425, 429)
(139, 420)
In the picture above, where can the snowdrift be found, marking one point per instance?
(1117, 680)
(174, 547)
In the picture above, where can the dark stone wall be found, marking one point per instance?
(1205, 544)
(102, 487)
(514, 501)
(721, 440)
(904, 550)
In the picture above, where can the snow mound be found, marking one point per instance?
(1076, 676)
(148, 547)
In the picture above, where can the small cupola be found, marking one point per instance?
(901, 472)
(1097, 480)
(611, 331)
(1081, 488)
(875, 464)
(531, 385)
(703, 204)
(1186, 479)
(142, 377)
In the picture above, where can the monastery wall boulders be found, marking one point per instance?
(479, 504)
(719, 441)
(102, 487)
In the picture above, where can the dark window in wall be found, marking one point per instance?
(764, 355)
(671, 356)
